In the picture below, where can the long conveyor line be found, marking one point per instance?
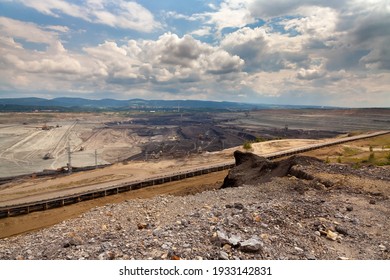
(20, 209)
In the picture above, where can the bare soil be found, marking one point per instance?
(36, 220)
(357, 152)
(33, 189)
(32, 142)
(326, 211)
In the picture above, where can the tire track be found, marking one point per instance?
(65, 137)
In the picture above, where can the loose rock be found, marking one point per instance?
(251, 245)
(255, 221)
(223, 255)
(341, 230)
(331, 235)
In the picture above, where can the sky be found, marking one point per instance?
(301, 52)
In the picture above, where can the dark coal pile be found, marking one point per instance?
(176, 135)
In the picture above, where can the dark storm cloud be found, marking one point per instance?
(345, 58)
(268, 9)
(375, 25)
(373, 33)
(180, 51)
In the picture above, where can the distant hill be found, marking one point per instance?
(62, 102)
(66, 102)
(81, 104)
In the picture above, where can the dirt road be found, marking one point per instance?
(117, 173)
(37, 190)
(40, 189)
(34, 188)
(36, 220)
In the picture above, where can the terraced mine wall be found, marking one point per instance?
(20, 209)
(50, 173)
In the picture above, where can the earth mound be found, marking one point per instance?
(253, 169)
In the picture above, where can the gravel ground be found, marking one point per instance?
(286, 218)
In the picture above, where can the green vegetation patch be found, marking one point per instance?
(349, 152)
(371, 158)
(247, 146)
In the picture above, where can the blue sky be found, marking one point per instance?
(282, 52)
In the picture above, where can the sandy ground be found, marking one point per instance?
(39, 189)
(118, 172)
(23, 147)
(24, 144)
(334, 215)
(36, 220)
(34, 188)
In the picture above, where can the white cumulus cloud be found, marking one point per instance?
(117, 13)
